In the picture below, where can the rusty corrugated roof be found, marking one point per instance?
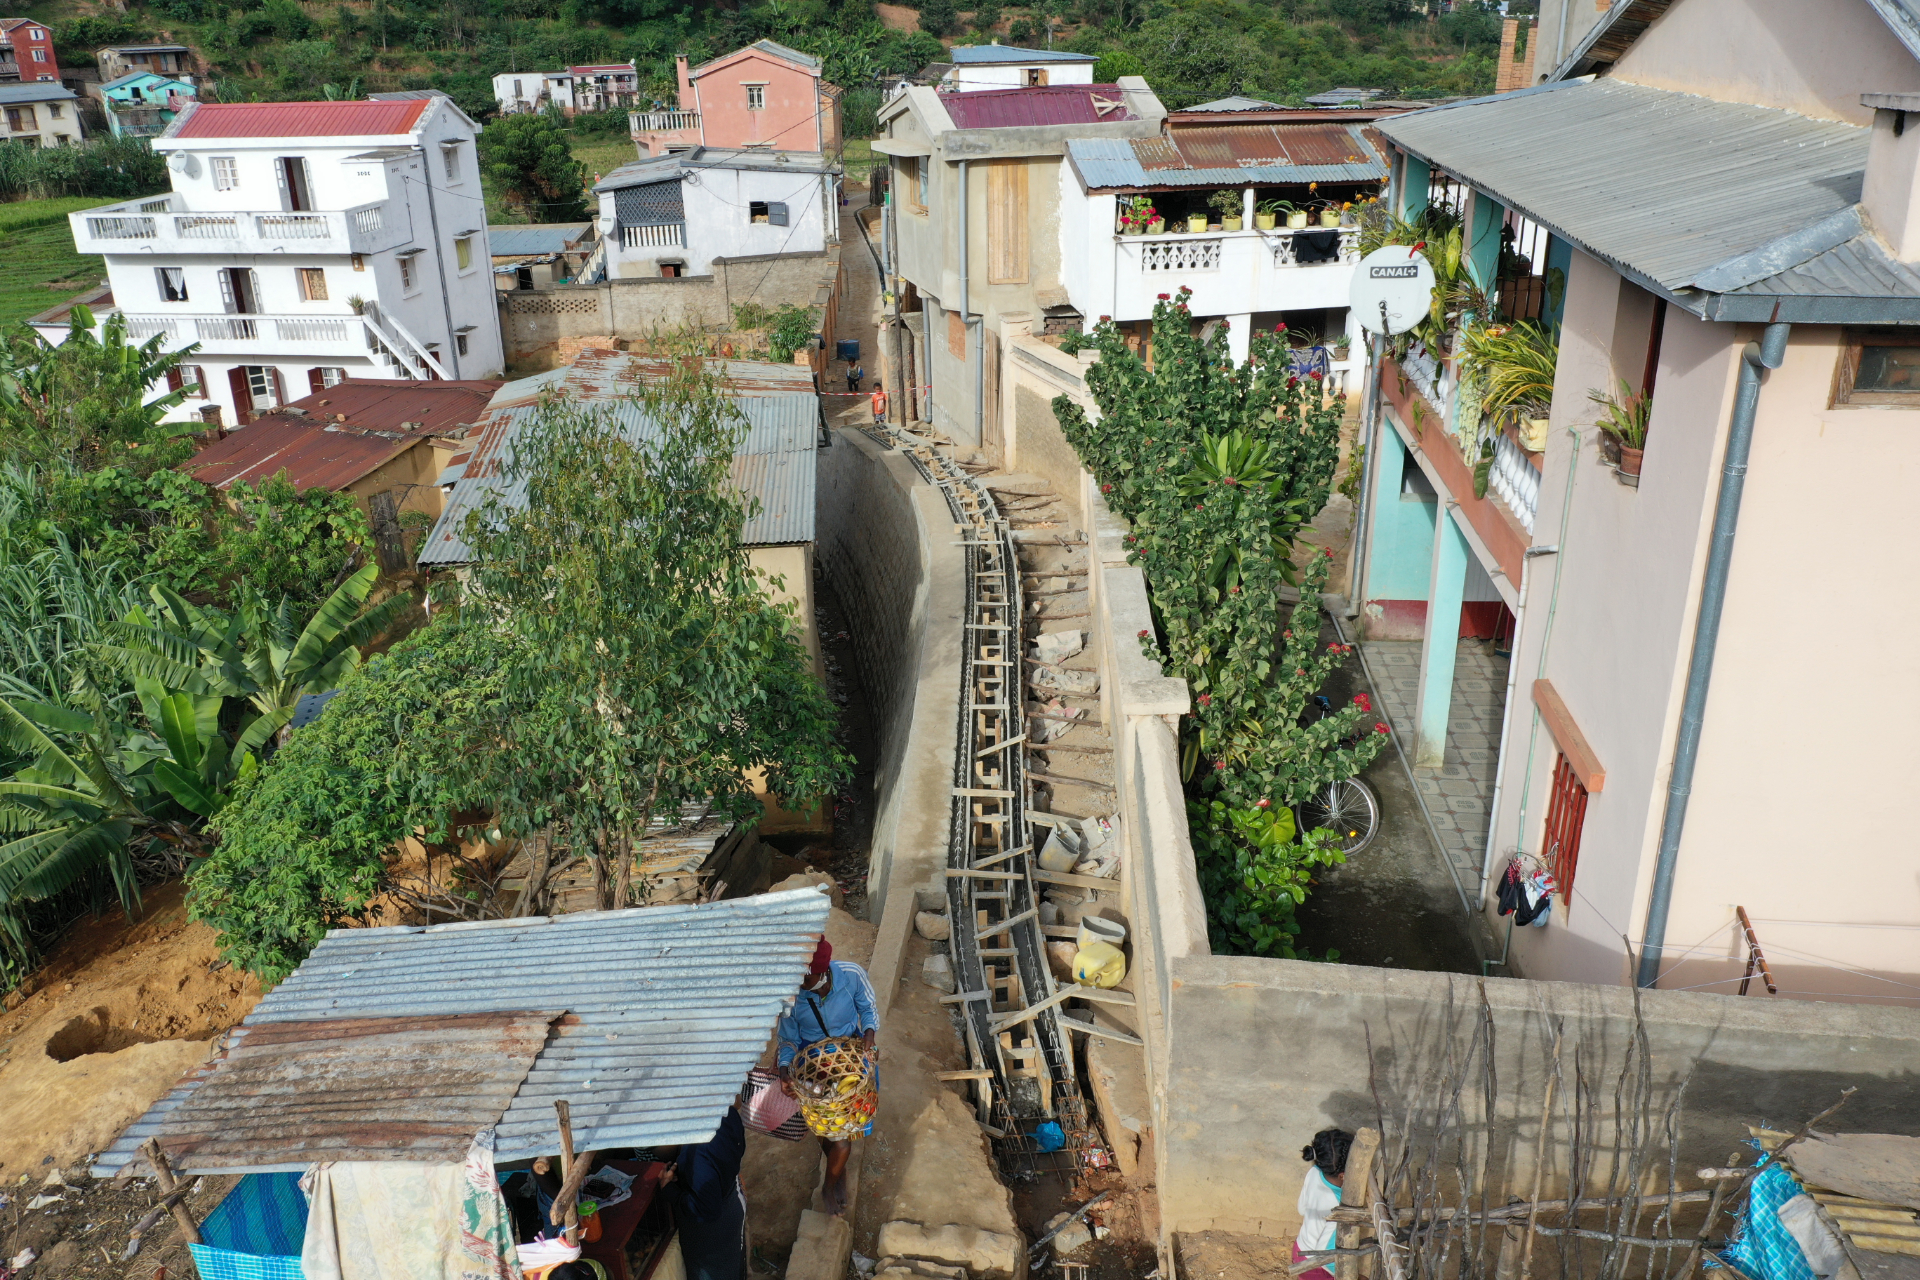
(334, 437)
(1229, 155)
(298, 119)
(1040, 105)
(387, 1088)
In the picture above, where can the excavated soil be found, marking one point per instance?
(118, 1014)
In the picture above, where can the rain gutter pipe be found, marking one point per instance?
(976, 351)
(1764, 354)
(1506, 716)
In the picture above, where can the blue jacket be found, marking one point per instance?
(848, 1011)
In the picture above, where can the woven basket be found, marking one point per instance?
(838, 1087)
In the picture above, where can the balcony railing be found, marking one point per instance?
(1183, 253)
(1514, 479)
(664, 236)
(662, 121)
(1285, 246)
(364, 229)
(1429, 377)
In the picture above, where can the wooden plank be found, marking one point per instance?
(1566, 734)
(1360, 1157)
(963, 997)
(1033, 1010)
(1004, 925)
(1077, 882)
(973, 1073)
(1002, 857)
(1000, 746)
(1106, 1033)
(983, 793)
(970, 873)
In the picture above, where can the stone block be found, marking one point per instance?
(1070, 1238)
(983, 1253)
(821, 1250)
(937, 972)
(919, 1267)
(1116, 1075)
(932, 926)
(930, 900)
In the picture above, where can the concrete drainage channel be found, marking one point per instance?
(1026, 1090)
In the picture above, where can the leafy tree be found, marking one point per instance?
(1218, 467)
(87, 401)
(529, 162)
(938, 17)
(1116, 63)
(616, 658)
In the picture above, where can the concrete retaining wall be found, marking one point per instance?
(533, 322)
(885, 542)
(1266, 1052)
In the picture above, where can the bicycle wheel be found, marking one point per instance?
(1348, 808)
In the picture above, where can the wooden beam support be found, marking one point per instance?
(1566, 734)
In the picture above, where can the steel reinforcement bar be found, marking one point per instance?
(1006, 991)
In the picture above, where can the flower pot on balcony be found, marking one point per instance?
(1131, 229)
(1329, 217)
(1232, 224)
(1265, 221)
(1533, 435)
(1197, 223)
(1157, 226)
(1297, 220)
(1630, 460)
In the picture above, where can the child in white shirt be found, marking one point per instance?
(1320, 1195)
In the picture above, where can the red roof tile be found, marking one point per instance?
(300, 119)
(1046, 104)
(383, 420)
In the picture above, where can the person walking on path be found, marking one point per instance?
(713, 1218)
(836, 1000)
(854, 374)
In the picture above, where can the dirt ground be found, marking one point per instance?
(118, 1014)
(1223, 1255)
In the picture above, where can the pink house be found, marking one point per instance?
(765, 95)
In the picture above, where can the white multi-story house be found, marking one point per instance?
(519, 92)
(673, 215)
(1005, 66)
(306, 242)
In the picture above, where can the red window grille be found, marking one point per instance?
(1565, 815)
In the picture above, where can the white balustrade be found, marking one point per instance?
(293, 226)
(227, 329)
(367, 219)
(1514, 480)
(661, 121)
(162, 205)
(141, 328)
(1427, 376)
(206, 226)
(664, 236)
(311, 330)
(1179, 253)
(121, 228)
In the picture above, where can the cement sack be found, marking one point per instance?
(1081, 682)
(1058, 646)
(1048, 730)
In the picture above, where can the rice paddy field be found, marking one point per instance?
(36, 243)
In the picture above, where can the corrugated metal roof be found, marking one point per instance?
(1859, 268)
(778, 402)
(412, 1088)
(35, 92)
(298, 119)
(1664, 185)
(669, 1008)
(409, 95)
(1235, 103)
(975, 54)
(383, 419)
(1044, 104)
(545, 237)
(1230, 155)
(773, 47)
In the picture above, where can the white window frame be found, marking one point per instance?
(332, 375)
(300, 280)
(160, 275)
(226, 172)
(39, 55)
(260, 386)
(463, 254)
(756, 97)
(409, 280)
(450, 162)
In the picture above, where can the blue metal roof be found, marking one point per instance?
(982, 53)
(669, 1007)
(548, 237)
(1113, 162)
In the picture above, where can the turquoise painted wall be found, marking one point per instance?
(1484, 220)
(1415, 178)
(1560, 258)
(1400, 546)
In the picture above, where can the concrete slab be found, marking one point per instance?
(1117, 1076)
(821, 1251)
(982, 1253)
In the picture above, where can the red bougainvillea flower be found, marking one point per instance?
(1329, 553)
(1378, 727)
(1299, 671)
(1219, 766)
(1362, 701)
(1106, 488)
(1287, 634)
(1225, 325)
(1293, 382)
(1316, 375)
(1262, 803)
(1228, 480)
(1144, 633)
(1281, 327)
(1186, 288)
(1206, 699)
(1163, 296)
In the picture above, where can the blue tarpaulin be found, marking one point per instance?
(256, 1232)
(1763, 1248)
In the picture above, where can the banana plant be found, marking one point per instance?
(200, 770)
(65, 815)
(263, 653)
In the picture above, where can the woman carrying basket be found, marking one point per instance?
(835, 1004)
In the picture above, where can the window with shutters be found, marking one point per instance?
(911, 185)
(463, 252)
(771, 212)
(313, 283)
(1566, 814)
(226, 173)
(324, 376)
(196, 382)
(450, 161)
(172, 282)
(1007, 222)
(407, 277)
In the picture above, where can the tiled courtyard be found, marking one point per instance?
(1457, 793)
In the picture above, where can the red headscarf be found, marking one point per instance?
(822, 957)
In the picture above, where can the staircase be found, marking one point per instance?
(405, 355)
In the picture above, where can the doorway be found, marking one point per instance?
(240, 291)
(295, 191)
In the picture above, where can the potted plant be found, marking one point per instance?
(1297, 218)
(1515, 366)
(1156, 224)
(1135, 212)
(1229, 205)
(1330, 215)
(1196, 222)
(1341, 346)
(1268, 212)
(1625, 420)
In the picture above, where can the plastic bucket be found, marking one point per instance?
(847, 349)
(1100, 929)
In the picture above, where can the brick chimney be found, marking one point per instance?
(685, 83)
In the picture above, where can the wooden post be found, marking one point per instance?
(1353, 1190)
(163, 1174)
(1540, 1159)
(564, 1210)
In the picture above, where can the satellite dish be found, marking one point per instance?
(1392, 289)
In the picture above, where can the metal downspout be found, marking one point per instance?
(1765, 354)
